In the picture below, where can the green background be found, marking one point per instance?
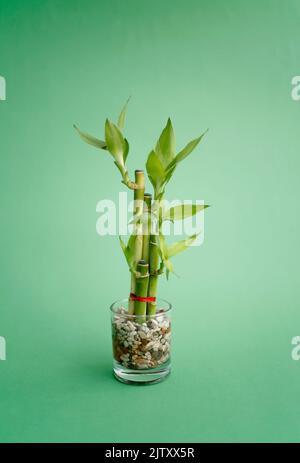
(223, 65)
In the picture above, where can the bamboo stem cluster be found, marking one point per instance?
(146, 258)
(138, 232)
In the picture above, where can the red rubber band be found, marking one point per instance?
(133, 297)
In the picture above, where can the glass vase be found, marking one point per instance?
(141, 344)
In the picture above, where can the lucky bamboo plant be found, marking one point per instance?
(147, 252)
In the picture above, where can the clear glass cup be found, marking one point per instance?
(141, 346)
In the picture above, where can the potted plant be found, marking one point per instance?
(141, 323)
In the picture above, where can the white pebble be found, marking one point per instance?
(153, 324)
(149, 345)
(131, 326)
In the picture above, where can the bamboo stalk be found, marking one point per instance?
(147, 226)
(153, 279)
(141, 290)
(138, 228)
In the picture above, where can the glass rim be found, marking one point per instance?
(113, 309)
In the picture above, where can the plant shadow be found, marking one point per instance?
(94, 369)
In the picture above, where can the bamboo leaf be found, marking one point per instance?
(123, 245)
(155, 170)
(169, 174)
(121, 118)
(163, 252)
(115, 141)
(125, 251)
(90, 139)
(131, 242)
(120, 167)
(186, 151)
(165, 147)
(179, 246)
(183, 211)
(162, 247)
(169, 267)
(131, 247)
(126, 150)
(128, 250)
(160, 195)
(164, 183)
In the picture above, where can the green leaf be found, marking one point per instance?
(115, 141)
(163, 250)
(120, 167)
(126, 150)
(165, 147)
(121, 118)
(123, 245)
(183, 211)
(169, 267)
(90, 139)
(179, 246)
(129, 250)
(126, 252)
(186, 151)
(160, 195)
(166, 180)
(169, 174)
(155, 170)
